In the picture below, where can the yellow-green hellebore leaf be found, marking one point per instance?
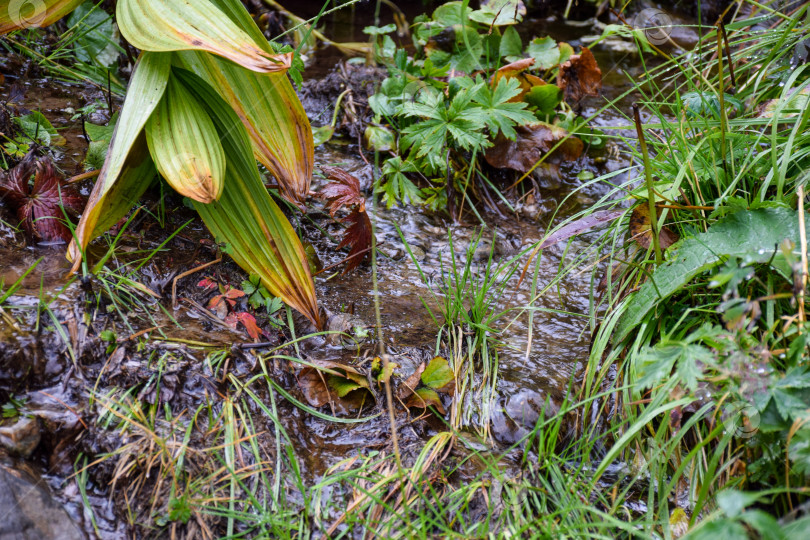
(271, 112)
(177, 25)
(128, 169)
(267, 105)
(17, 14)
(256, 232)
(185, 145)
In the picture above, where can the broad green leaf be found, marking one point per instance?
(545, 52)
(128, 162)
(500, 13)
(256, 232)
(746, 233)
(545, 97)
(438, 373)
(511, 45)
(179, 25)
(322, 134)
(98, 37)
(185, 145)
(272, 114)
(379, 138)
(17, 14)
(341, 385)
(37, 128)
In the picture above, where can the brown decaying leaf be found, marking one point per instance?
(39, 207)
(343, 190)
(579, 226)
(409, 385)
(314, 385)
(641, 232)
(580, 76)
(532, 141)
(425, 397)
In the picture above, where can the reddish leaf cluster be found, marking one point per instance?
(39, 207)
(344, 191)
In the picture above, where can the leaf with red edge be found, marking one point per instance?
(343, 190)
(249, 322)
(358, 236)
(40, 207)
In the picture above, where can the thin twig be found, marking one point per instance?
(188, 273)
(650, 188)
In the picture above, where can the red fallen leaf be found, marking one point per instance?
(343, 190)
(249, 322)
(39, 207)
(230, 295)
(231, 320)
(358, 236)
(580, 76)
(532, 141)
(207, 283)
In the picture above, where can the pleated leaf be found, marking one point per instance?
(177, 25)
(128, 168)
(275, 120)
(17, 14)
(257, 234)
(185, 145)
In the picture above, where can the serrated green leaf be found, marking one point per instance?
(545, 52)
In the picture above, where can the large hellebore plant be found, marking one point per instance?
(207, 96)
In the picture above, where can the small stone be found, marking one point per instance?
(21, 438)
(30, 513)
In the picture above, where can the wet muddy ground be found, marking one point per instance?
(53, 359)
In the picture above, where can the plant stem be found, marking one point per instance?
(721, 97)
(650, 191)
